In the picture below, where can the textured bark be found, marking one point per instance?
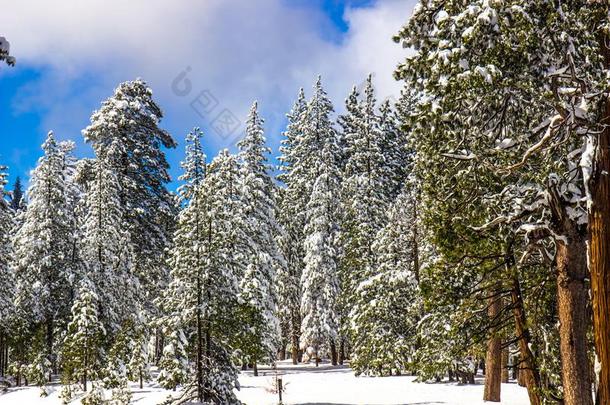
(295, 334)
(505, 365)
(341, 350)
(572, 298)
(333, 353)
(599, 244)
(528, 369)
(493, 361)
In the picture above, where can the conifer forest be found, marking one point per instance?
(454, 239)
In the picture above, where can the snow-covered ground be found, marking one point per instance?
(308, 385)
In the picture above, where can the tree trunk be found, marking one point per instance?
(333, 353)
(572, 298)
(505, 365)
(86, 366)
(520, 375)
(493, 362)
(599, 244)
(294, 343)
(49, 341)
(341, 351)
(255, 368)
(528, 371)
(199, 344)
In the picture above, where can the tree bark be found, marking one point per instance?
(333, 353)
(493, 362)
(572, 298)
(341, 350)
(505, 365)
(296, 329)
(528, 369)
(599, 243)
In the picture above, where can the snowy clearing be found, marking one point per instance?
(306, 385)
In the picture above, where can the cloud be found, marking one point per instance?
(237, 51)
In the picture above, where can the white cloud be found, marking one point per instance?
(239, 50)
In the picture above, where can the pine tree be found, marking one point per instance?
(202, 295)
(42, 246)
(363, 201)
(291, 209)
(17, 197)
(126, 138)
(82, 353)
(174, 363)
(387, 303)
(540, 135)
(107, 251)
(320, 282)
(7, 277)
(397, 158)
(257, 287)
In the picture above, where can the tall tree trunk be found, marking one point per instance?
(493, 362)
(505, 365)
(49, 341)
(341, 350)
(599, 244)
(86, 366)
(572, 298)
(333, 353)
(255, 368)
(296, 328)
(199, 343)
(528, 371)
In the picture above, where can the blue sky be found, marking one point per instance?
(222, 54)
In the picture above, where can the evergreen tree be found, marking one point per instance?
(127, 139)
(17, 197)
(291, 209)
(257, 287)
(42, 247)
(387, 303)
(320, 282)
(82, 353)
(107, 251)
(363, 201)
(7, 277)
(202, 295)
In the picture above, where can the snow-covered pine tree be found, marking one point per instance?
(291, 210)
(469, 57)
(82, 352)
(349, 123)
(320, 153)
(42, 247)
(126, 137)
(174, 363)
(394, 148)
(107, 250)
(259, 341)
(363, 201)
(200, 302)
(7, 277)
(387, 304)
(320, 325)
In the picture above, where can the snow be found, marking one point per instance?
(306, 384)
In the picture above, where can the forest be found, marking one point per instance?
(461, 230)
